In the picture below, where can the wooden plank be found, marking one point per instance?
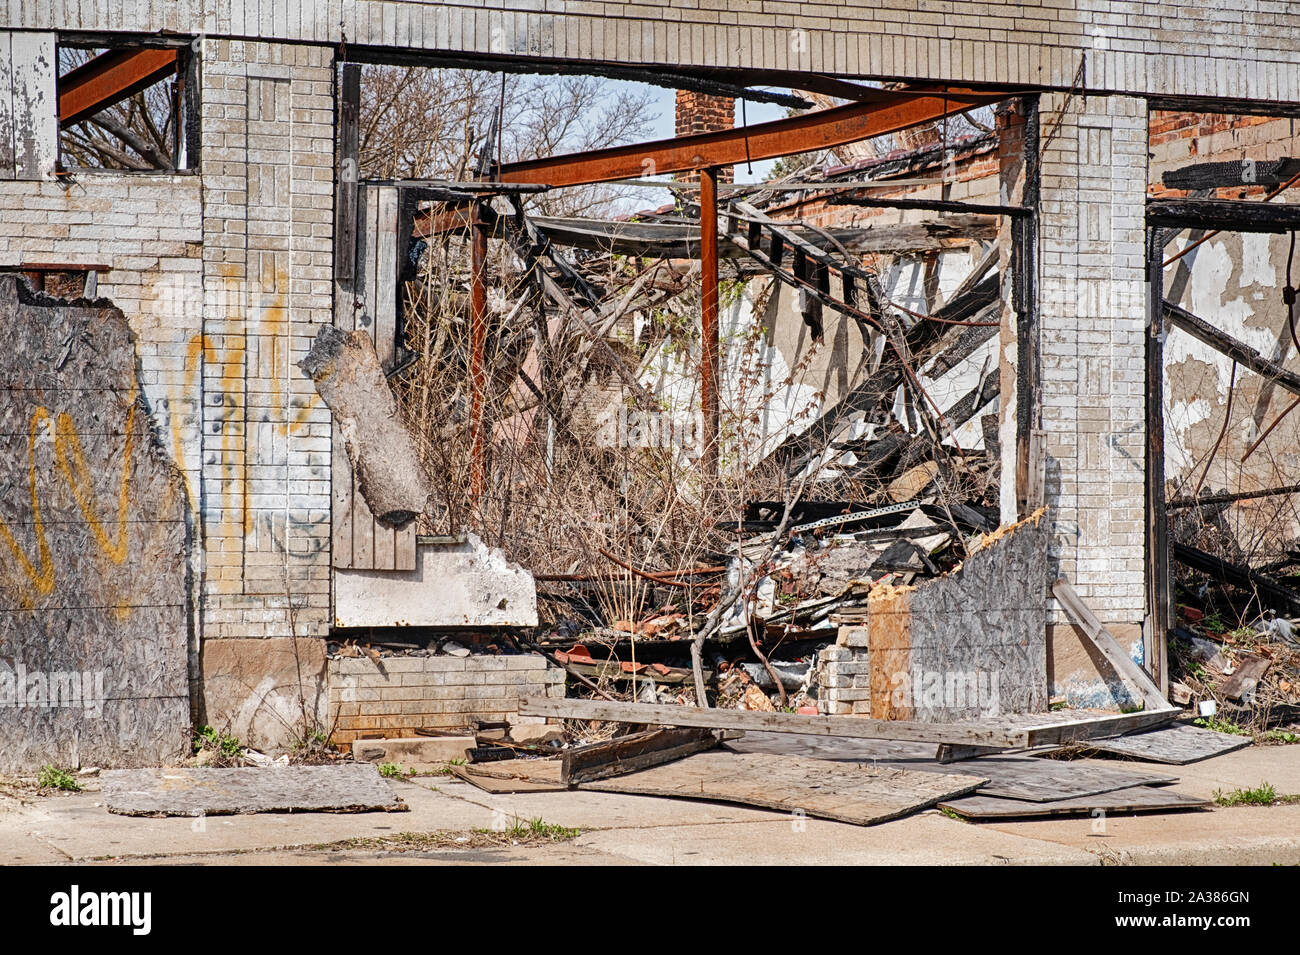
(345, 222)
(341, 501)
(1175, 745)
(1137, 799)
(858, 794)
(385, 553)
(1006, 731)
(1103, 640)
(1158, 590)
(830, 747)
(34, 104)
(1242, 683)
(1040, 780)
(514, 776)
(384, 330)
(404, 557)
(6, 108)
(628, 754)
(1036, 489)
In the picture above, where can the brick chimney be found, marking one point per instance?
(704, 113)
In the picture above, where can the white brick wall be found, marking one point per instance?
(1093, 308)
(267, 156)
(1239, 48)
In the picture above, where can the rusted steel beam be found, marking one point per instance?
(887, 113)
(709, 320)
(478, 356)
(110, 78)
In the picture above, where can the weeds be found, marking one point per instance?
(534, 830)
(208, 738)
(51, 777)
(1262, 795)
(394, 771)
(1220, 726)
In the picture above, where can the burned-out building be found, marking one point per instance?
(184, 522)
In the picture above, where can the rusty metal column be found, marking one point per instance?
(478, 348)
(709, 320)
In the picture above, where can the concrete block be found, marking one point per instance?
(453, 585)
(421, 753)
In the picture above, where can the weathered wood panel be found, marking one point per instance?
(1175, 745)
(970, 643)
(859, 794)
(1039, 780)
(34, 105)
(94, 538)
(6, 108)
(370, 544)
(1138, 799)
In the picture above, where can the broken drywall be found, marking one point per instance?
(93, 546)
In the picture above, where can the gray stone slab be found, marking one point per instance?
(211, 792)
(1176, 745)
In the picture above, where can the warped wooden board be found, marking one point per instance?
(1137, 799)
(1083, 617)
(513, 776)
(1039, 780)
(1014, 731)
(343, 787)
(859, 794)
(627, 754)
(1176, 745)
(830, 747)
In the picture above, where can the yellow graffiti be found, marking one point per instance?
(72, 462)
(65, 439)
(42, 580)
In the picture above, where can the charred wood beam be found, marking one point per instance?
(1224, 343)
(1206, 500)
(930, 205)
(1228, 215)
(1269, 591)
(1241, 172)
(670, 79)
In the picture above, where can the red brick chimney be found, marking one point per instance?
(704, 113)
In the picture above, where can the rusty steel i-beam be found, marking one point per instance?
(888, 112)
(109, 78)
(478, 354)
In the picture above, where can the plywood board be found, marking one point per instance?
(345, 787)
(971, 643)
(1175, 745)
(859, 794)
(1040, 780)
(514, 775)
(1137, 799)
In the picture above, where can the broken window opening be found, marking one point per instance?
(128, 108)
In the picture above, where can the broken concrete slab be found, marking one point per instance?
(454, 584)
(345, 787)
(420, 753)
(351, 381)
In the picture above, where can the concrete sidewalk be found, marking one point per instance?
(629, 830)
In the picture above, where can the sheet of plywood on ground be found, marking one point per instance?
(967, 644)
(1137, 799)
(360, 541)
(513, 776)
(343, 787)
(830, 747)
(860, 794)
(1039, 780)
(1175, 745)
(1013, 731)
